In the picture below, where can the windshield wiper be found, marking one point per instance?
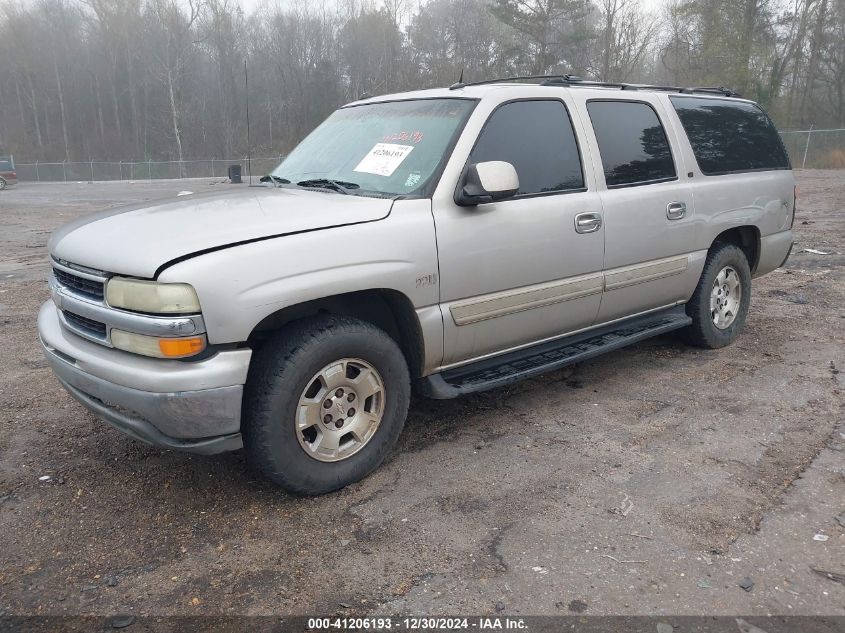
(341, 186)
(276, 180)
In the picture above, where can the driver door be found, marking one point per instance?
(517, 271)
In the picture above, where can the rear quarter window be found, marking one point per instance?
(730, 136)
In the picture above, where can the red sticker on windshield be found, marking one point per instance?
(415, 137)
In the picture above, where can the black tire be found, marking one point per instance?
(279, 374)
(703, 331)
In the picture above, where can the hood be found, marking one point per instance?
(140, 239)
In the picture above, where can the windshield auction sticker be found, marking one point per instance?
(383, 159)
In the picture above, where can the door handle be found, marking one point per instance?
(587, 222)
(676, 210)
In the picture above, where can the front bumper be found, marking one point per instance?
(190, 406)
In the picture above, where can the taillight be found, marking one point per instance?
(14, 174)
(795, 193)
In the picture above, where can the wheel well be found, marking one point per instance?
(747, 238)
(387, 309)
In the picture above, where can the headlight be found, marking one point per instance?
(157, 347)
(151, 296)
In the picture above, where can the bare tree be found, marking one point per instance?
(130, 79)
(174, 32)
(625, 35)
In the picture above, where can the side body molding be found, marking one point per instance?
(536, 296)
(647, 271)
(498, 304)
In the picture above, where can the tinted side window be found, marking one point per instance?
(537, 138)
(729, 136)
(633, 145)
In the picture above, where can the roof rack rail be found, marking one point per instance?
(574, 80)
(557, 78)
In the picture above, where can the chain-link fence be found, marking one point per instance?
(815, 149)
(808, 149)
(94, 170)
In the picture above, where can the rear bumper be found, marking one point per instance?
(774, 251)
(190, 406)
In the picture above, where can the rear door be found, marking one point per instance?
(648, 207)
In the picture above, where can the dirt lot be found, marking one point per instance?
(652, 480)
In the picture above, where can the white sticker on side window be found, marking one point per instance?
(383, 159)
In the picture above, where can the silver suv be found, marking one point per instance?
(455, 239)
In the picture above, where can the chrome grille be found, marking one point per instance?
(94, 328)
(86, 287)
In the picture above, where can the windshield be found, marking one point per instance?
(391, 148)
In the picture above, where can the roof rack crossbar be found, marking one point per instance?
(574, 80)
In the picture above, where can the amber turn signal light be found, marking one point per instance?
(180, 347)
(157, 347)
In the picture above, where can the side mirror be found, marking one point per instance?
(486, 182)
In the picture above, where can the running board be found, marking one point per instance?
(507, 368)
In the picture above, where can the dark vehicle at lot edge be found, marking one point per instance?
(8, 175)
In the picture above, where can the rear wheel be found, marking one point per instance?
(2, 184)
(325, 402)
(721, 300)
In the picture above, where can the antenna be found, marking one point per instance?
(460, 84)
(248, 143)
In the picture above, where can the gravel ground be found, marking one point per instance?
(652, 480)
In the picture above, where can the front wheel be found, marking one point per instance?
(720, 302)
(324, 404)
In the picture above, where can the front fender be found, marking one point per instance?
(239, 287)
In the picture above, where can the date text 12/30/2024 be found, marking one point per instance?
(416, 624)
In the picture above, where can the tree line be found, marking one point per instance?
(164, 79)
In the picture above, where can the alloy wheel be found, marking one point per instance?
(725, 297)
(340, 409)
